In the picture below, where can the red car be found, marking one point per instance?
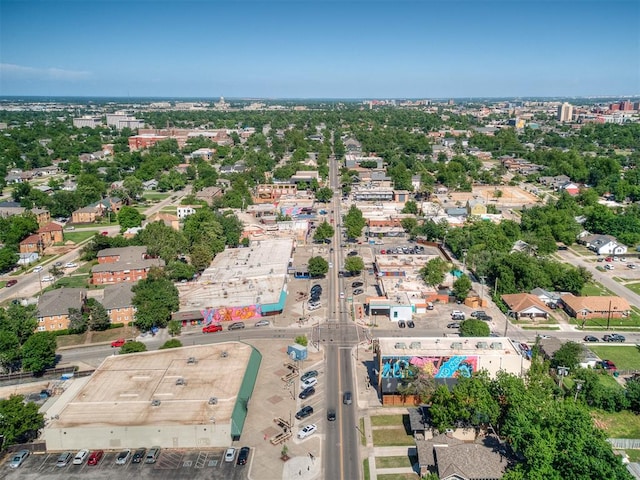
(95, 457)
(118, 343)
(214, 327)
(11, 283)
(105, 233)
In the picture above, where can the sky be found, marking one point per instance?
(320, 48)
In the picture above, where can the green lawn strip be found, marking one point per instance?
(365, 469)
(386, 420)
(625, 357)
(156, 195)
(634, 287)
(624, 424)
(86, 268)
(78, 237)
(534, 327)
(393, 437)
(97, 337)
(77, 281)
(393, 462)
(634, 455)
(363, 438)
(594, 289)
(632, 320)
(609, 381)
(398, 476)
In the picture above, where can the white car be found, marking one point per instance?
(71, 265)
(230, 454)
(48, 278)
(37, 269)
(307, 430)
(262, 323)
(80, 456)
(123, 457)
(309, 382)
(18, 458)
(341, 294)
(457, 312)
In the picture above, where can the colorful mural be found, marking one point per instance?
(231, 314)
(396, 368)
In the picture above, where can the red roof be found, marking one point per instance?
(31, 239)
(50, 227)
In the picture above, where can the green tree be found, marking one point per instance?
(461, 287)
(9, 351)
(201, 256)
(568, 355)
(302, 340)
(354, 222)
(99, 319)
(39, 352)
(155, 298)
(324, 194)
(317, 266)
(633, 395)
(417, 383)
(323, 232)
(19, 320)
(175, 328)
(162, 241)
(179, 270)
(410, 207)
(132, 186)
(354, 264)
(133, 347)
(20, 422)
(77, 321)
(172, 343)
(474, 328)
(433, 272)
(129, 217)
(409, 224)
(8, 258)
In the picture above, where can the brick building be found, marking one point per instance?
(54, 305)
(51, 233)
(118, 302)
(127, 264)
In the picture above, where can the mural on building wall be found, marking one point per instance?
(230, 314)
(395, 368)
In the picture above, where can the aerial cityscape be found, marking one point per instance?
(320, 240)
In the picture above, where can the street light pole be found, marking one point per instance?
(609, 315)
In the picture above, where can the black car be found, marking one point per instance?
(304, 412)
(484, 317)
(316, 288)
(139, 455)
(356, 284)
(410, 324)
(314, 298)
(358, 291)
(352, 253)
(453, 325)
(307, 392)
(591, 338)
(331, 415)
(243, 455)
(614, 337)
(401, 324)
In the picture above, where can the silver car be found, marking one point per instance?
(18, 458)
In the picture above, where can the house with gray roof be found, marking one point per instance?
(118, 302)
(604, 244)
(54, 305)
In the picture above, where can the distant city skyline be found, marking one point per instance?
(320, 49)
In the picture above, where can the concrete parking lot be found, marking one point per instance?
(171, 464)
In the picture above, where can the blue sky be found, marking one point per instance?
(320, 48)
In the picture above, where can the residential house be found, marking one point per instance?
(306, 176)
(86, 215)
(526, 306)
(150, 184)
(27, 258)
(51, 233)
(131, 232)
(168, 219)
(9, 209)
(43, 217)
(604, 244)
(203, 153)
(548, 298)
(183, 211)
(476, 207)
(13, 178)
(554, 182)
(549, 346)
(33, 243)
(209, 194)
(127, 264)
(571, 188)
(118, 302)
(585, 308)
(54, 305)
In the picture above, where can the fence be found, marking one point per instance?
(29, 377)
(624, 443)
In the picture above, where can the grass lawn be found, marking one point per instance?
(634, 455)
(631, 321)
(77, 237)
(623, 424)
(634, 287)
(393, 462)
(625, 357)
(77, 281)
(398, 476)
(86, 268)
(608, 381)
(386, 420)
(97, 337)
(392, 437)
(594, 289)
(363, 439)
(156, 195)
(365, 469)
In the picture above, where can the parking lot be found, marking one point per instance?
(171, 464)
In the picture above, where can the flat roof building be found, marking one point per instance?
(177, 398)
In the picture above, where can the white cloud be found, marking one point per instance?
(9, 70)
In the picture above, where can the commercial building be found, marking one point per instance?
(444, 358)
(190, 397)
(87, 121)
(565, 112)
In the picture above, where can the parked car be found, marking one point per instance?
(430, 306)
(307, 392)
(138, 455)
(356, 284)
(331, 414)
(37, 269)
(214, 327)
(457, 313)
(309, 374)
(80, 457)
(105, 233)
(614, 337)
(243, 456)
(591, 338)
(608, 365)
(457, 316)
(307, 430)
(64, 459)
(118, 343)
(230, 454)
(313, 306)
(152, 455)
(11, 283)
(358, 291)
(352, 253)
(309, 382)
(453, 325)
(95, 457)
(401, 324)
(484, 317)
(236, 326)
(304, 412)
(18, 458)
(123, 457)
(316, 288)
(70, 265)
(262, 323)
(477, 313)
(48, 278)
(410, 324)
(609, 267)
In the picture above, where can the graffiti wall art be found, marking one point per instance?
(394, 368)
(231, 314)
